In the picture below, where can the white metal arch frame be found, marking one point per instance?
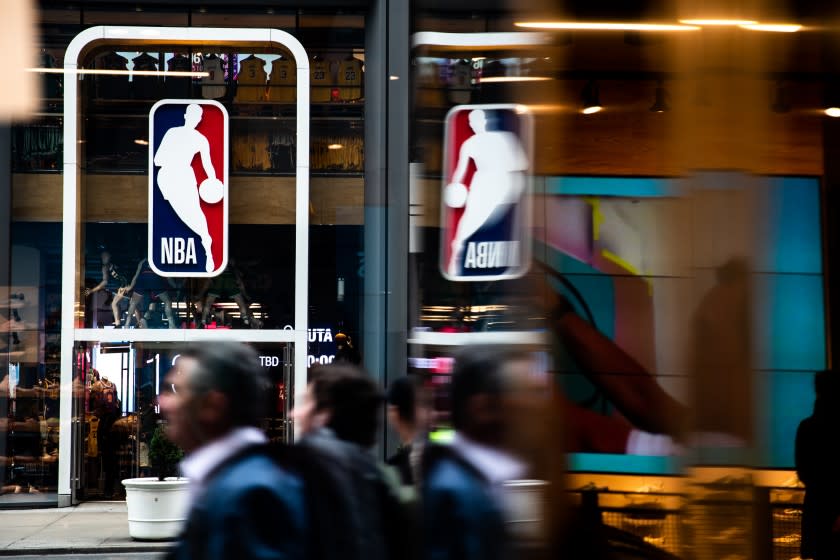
(70, 266)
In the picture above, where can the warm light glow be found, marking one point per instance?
(334, 147)
(774, 27)
(833, 112)
(719, 22)
(503, 79)
(605, 26)
(141, 142)
(182, 73)
(591, 110)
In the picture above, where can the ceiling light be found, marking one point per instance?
(335, 147)
(590, 100)
(773, 27)
(503, 79)
(660, 102)
(141, 142)
(833, 112)
(605, 26)
(101, 71)
(712, 22)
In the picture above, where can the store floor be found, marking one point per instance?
(88, 527)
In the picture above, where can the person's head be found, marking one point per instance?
(343, 398)
(478, 120)
(105, 256)
(213, 388)
(344, 350)
(405, 407)
(192, 116)
(827, 386)
(482, 381)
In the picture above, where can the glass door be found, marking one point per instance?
(116, 411)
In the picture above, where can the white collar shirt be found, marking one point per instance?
(199, 464)
(496, 465)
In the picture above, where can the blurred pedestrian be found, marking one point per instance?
(462, 485)
(817, 465)
(407, 413)
(356, 514)
(243, 504)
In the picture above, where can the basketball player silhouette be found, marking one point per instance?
(176, 178)
(498, 181)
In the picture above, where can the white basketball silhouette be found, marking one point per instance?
(211, 191)
(455, 195)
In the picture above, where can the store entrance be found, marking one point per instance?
(116, 412)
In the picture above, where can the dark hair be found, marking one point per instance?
(353, 399)
(402, 394)
(232, 368)
(477, 371)
(827, 385)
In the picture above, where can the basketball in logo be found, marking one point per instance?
(211, 191)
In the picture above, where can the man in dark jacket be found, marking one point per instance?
(817, 466)
(356, 514)
(462, 486)
(243, 504)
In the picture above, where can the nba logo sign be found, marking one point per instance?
(485, 203)
(188, 187)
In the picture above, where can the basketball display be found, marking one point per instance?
(211, 191)
(455, 195)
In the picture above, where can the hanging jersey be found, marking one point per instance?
(52, 82)
(250, 83)
(349, 79)
(145, 87)
(112, 87)
(429, 85)
(282, 83)
(213, 84)
(460, 82)
(321, 80)
(251, 152)
(178, 63)
(178, 86)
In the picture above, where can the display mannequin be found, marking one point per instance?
(228, 285)
(115, 282)
(147, 284)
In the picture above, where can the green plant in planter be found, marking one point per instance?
(163, 454)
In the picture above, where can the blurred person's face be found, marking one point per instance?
(306, 414)
(192, 419)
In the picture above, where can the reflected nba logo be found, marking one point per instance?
(188, 187)
(485, 200)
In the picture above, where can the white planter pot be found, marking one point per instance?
(157, 509)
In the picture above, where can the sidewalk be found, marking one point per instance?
(100, 527)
